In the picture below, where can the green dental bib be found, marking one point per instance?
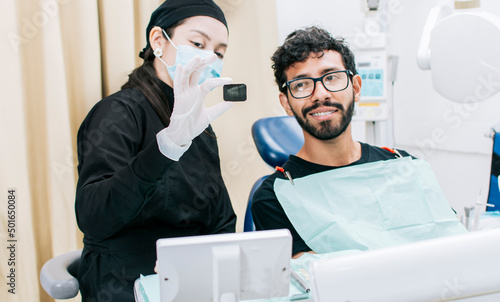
(368, 206)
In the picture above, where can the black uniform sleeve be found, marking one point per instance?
(225, 221)
(268, 214)
(114, 177)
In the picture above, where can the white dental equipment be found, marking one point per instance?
(461, 49)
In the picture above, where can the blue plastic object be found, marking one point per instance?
(494, 193)
(276, 138)
(248, 225)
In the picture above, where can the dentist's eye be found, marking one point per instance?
(196, 44)
(221, 56)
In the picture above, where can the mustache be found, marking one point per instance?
(325, 103)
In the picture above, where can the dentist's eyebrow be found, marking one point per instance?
(206, 36)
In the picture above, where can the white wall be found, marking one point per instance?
(449, 135)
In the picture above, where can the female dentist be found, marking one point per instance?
(149, 166)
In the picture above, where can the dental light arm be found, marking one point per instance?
(424, 52)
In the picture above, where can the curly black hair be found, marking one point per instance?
(299, 45)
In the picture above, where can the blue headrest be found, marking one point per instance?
(276, 138)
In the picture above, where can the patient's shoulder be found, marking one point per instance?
(373, 153)
(265, 192)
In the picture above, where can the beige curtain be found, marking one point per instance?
(58, 58)
(253, 37)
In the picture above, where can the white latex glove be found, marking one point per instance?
(189, 116)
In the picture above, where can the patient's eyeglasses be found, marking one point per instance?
(333, 81)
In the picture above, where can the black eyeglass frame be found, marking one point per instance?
(349, 76)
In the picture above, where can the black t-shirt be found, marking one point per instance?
(267, 212)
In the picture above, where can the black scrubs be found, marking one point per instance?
(129, 194)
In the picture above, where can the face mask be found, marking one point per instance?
(185, 53)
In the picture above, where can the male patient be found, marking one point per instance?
(338, 194)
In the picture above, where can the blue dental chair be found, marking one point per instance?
(275, 138)
(494, 189)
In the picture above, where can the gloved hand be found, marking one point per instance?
(189, 116)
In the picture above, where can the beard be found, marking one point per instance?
(326, 130)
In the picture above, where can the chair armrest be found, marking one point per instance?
(55, 278)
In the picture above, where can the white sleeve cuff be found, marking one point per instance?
(168, 147)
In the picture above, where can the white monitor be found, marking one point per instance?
(225, 267)
(458, 268)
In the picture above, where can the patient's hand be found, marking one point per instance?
(296, 256)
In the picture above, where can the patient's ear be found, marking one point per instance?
(285, 104)
(356, 85)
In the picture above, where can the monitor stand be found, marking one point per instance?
(226, 273)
